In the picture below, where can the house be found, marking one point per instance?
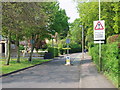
(3, 46)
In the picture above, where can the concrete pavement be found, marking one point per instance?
(90, 78)
(82, 74)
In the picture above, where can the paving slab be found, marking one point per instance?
(89, 76)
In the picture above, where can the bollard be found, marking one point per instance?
(68, 60)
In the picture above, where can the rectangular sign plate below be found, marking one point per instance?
(98, 41)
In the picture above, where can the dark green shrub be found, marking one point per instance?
(21, 47)
(110, 59)
(113, 38)
(54, 51)
(91, 44)
(75, 47)
(94, 52)
(61, 51)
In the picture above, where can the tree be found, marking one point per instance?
(88, 12)
(8, 25)
(33, 21)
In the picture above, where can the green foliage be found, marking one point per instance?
(58, 20)
(54, 51)
(110, 59)
(94, 52)
(110, 12)
(75, 47)
(113, 38)
(21, 47)
(33, 21)
(76, 31)
(61, 45)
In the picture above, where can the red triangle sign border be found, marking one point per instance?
(99, 28)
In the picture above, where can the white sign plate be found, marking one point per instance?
(98, 41)
(99, 30)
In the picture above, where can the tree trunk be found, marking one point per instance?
(9, 48)
(32, 48)
(34, 41)
(18, 49)
(31, 53)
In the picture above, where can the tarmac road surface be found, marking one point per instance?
(55, 74)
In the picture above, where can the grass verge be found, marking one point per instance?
(113, 78)
(16, 66)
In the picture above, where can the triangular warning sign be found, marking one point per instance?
(99, 26)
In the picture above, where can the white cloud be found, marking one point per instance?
(70, 7)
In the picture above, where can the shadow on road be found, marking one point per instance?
(85, 61)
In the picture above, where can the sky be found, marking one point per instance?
(70, 7)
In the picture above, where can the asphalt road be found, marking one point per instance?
(55, 74)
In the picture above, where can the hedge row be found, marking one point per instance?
(57, 51)
(113, 38)
(54, 51)
(75, 47)
(110, 58)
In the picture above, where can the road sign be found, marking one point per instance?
(98, 41)
(99, 26)
(99, 30)
(67, 40)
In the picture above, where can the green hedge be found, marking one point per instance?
(109, 59)
(54, 51)
(75, 47)
(113, 38)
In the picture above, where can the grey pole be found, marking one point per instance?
(82, 43)
(67, 49)
(100, 62)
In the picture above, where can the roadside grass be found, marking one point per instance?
(16, 66)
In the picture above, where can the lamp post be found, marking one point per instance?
(82, 41)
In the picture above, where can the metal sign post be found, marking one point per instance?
(100, 44)
(67, 41)
(67, 57)
(67, 49)
(99, 35)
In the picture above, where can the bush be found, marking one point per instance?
(61, 51)
(94, 52)
(110, 58)
(21, 47)
(113, 38)
(75, 47)
(54, 51)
